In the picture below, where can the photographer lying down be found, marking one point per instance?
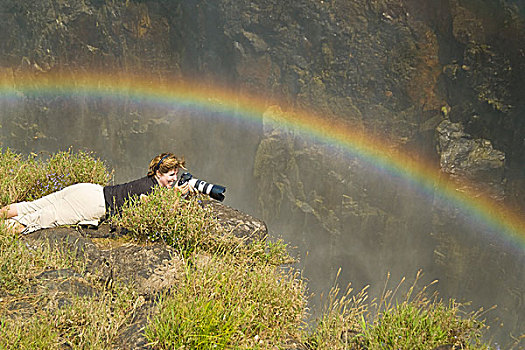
(87, 202)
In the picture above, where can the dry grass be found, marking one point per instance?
(411, 321)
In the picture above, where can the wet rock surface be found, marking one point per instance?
(389, 66)
(395, 68)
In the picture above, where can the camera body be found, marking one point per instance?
(214, 191)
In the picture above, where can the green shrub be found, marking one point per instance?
(220, 304)
(165, 216)
(63, 169)
(423, 324)
(189, 227)
(28, 178)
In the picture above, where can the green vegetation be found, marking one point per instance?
(190, 228)
(84, 323)
(28, 178)
(89, 322)
(18, 261)
(222, 304)
(232, 293)
(416, 322)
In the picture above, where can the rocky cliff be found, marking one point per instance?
(109, 259)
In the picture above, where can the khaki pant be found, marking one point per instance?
(73, 204)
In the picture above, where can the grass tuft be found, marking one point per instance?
(83, 323)
(20, 262)
(190, 227)
(28, 178)
(418, 321)
(165, 216)
(220, 304)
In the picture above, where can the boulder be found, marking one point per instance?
(473, 162)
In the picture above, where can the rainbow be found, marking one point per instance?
(507, 223)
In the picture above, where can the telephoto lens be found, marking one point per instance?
(214, 191)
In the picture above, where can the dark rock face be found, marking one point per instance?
(390, 67)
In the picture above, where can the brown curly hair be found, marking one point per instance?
(164, 162)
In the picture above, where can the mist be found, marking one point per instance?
(391, 68)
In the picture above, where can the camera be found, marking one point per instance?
(214, 191)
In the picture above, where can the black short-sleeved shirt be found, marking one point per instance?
(116, 195)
